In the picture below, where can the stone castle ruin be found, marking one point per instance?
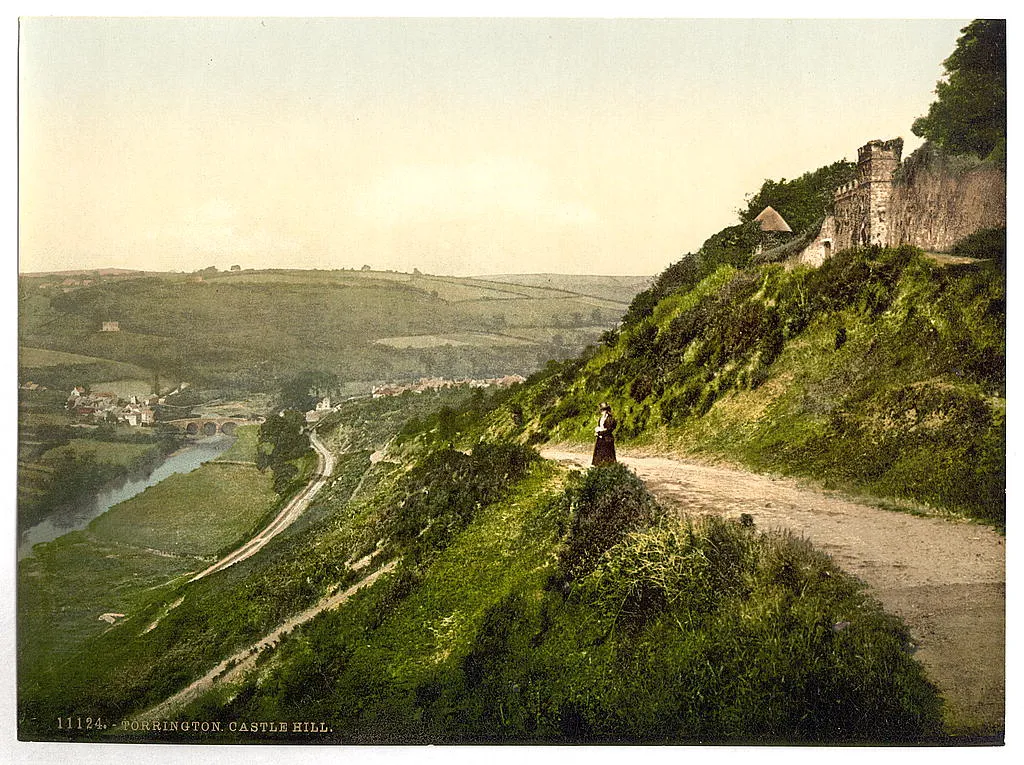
(929, 201)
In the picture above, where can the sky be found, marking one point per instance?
(456, 146)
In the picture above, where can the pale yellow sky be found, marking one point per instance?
(452, 146)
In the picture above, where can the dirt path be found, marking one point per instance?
(945, 579)
(235, 666)
(286, 517)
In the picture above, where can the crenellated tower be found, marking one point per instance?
(862, 206)
(931, 204)
(877, 163)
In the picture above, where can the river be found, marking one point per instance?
(74, 518)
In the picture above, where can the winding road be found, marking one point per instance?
(287, 516)
(946, 579)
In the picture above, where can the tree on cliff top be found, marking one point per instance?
(970, 113)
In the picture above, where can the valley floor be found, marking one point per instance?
(945, 579)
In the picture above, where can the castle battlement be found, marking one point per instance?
(932, 210)
(885, 150)
(846, 188)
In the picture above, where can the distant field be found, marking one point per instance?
(566, 335)
(40, 357)
(619, 288)
(419, 341)
(31, 358)
(62, 370)
(244, 447)
(454, 291)
(124, 388)
(36, 419)
(247, 331)
(110, 452)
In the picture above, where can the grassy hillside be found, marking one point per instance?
(530, 623)
(878, 371)
(244, 330)
(528, 604)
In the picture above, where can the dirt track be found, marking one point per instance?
(241, 662)
(287, 516)
(945, 579)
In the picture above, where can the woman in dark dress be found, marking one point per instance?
(604, 448)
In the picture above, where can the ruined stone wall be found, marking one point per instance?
(851, 216)
(934, 205)
(820, 248)
(930, 201)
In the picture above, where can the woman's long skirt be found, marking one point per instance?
(604, 450)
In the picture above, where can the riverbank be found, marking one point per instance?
(131, 556)
(56, 476)
(160, 463)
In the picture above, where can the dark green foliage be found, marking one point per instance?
(282, 441)
(950, 450)
(731, 246)
(969, 115)
(804, 201)
(301, 392)
(605, 504)
(988, 244)
(440, 495)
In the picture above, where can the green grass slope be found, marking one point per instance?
(571, 608)
(879, 371)
(529, 604)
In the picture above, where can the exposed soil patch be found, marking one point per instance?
(945, 579)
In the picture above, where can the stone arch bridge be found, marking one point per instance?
(211, 426)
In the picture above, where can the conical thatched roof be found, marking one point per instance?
(772, 221)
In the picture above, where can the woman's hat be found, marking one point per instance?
(606, 405)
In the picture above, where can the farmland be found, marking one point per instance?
(243, 331)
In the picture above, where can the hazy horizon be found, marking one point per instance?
(455, 146)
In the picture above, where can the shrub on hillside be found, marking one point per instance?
(442, 493)
(735, 635)
(606, 503)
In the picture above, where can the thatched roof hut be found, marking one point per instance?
(770, 220)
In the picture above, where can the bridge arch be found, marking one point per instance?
(229, 428)
(209, 428)
(192, 428)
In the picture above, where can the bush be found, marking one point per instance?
(607, 503)
(441, 494)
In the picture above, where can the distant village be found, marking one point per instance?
(140, 411)
(136, 411)
(424, 384)
(438, 383)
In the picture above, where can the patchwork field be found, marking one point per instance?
(244, 331)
